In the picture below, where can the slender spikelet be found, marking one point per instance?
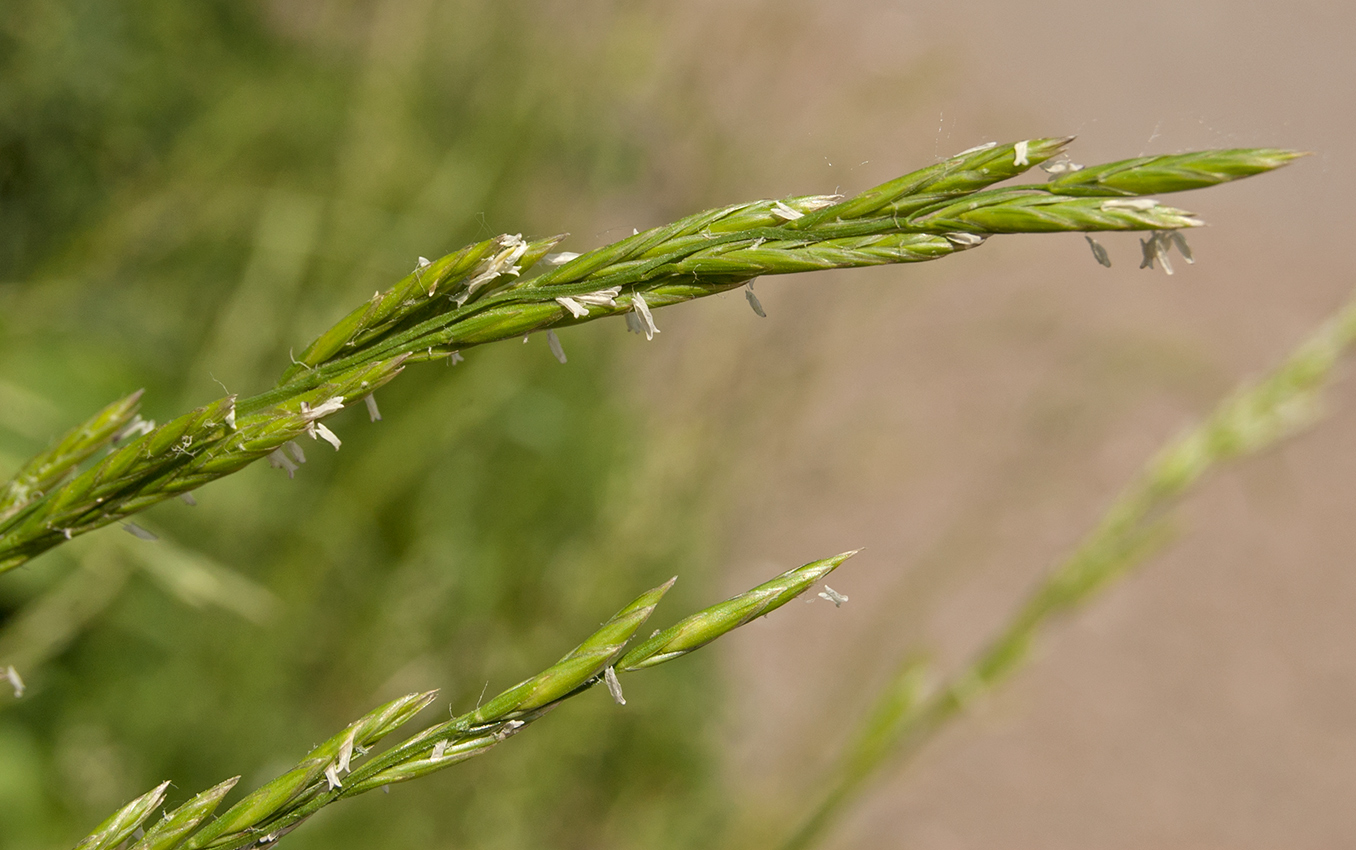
(323, 776)
(176, 826)
(1154, 175)
(1021, 211)
(124, 821)
(257, 807)
(580, 665)
(705, 626)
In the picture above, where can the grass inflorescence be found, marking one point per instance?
(331, 771)
(484, 293)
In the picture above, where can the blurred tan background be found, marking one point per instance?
(968, 421)
(965, 421)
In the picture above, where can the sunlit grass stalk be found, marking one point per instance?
(1256, 416)
(479, 295)
(328, 773)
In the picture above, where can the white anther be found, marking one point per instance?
(325, 408)
(454, 358)
(633, 324)
(1180, 241)
(419, 271)
(439, 749)
(1019, 153)
(833, 596)
(138, 532)
(1159, 242)
(613, 686)
(562, 258)
(964, 240)
(1061, 165)
(601, 298)
(785, 213)
(373, 412)
(346, 751)
(978, 148)
(327, 435)
(643, 311)
(1147, 252)
(1098, 252)
(230, 416)
(819, 202)
(15, 682)
(135, 428)
(504, 262)
(576, 309)
(1140, 204)
(332, 777)
(278, 460)
(753, 301)
(508, 729)
(293, 448)
(554, 342)
(187, 499)
(310, 415)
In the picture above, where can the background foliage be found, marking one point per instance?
(189, 190)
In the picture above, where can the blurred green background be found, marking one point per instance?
(189, 191)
